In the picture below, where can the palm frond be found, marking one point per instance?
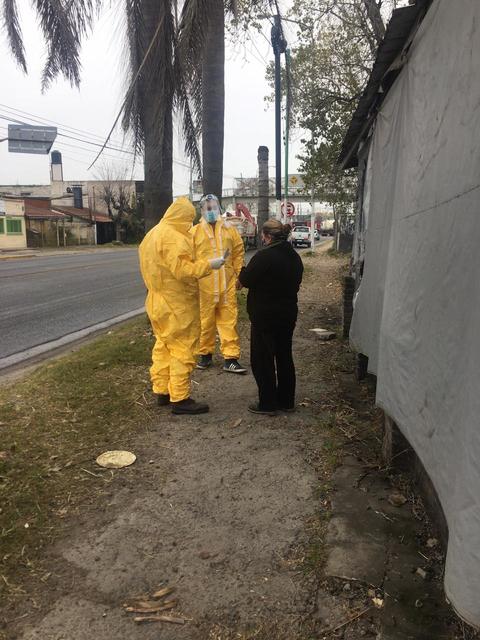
(14, 32)
(194, 24)
(63, 28)
(191, 133)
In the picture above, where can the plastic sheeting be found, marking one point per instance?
(417, 314)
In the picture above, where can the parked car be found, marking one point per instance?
(301, 237)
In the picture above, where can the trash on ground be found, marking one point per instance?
(324, 334)
(432, 542)
(116, 459)
(421, 572)
(397, 499)
(378, 602)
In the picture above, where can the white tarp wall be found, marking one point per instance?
(417, 315)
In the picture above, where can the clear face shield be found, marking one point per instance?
(210, 208)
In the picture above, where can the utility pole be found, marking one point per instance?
(279, 45)
(263, 190)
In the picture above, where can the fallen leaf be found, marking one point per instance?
(237, 423)
(432, 542)
(161, 593)
(378, 602)
(154, 608)
(140, 619)
(421, 572)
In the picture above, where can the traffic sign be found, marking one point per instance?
(290, 208)
(25, 138)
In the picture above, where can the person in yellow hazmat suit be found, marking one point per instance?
(214, 237)
(171, 276)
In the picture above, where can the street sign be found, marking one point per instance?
(296, 183)
(25, 138)
(290, 208)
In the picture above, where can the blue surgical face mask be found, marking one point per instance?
(211, 216)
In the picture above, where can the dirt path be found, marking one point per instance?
(231, 509)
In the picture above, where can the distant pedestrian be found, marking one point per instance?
(273, 277)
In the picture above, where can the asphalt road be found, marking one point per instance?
(44, 298)
(47, 297)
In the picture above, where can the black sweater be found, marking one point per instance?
(273, 277)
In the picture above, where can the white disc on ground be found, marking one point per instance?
(116, 459)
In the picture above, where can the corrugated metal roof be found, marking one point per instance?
(399, 28)
(84, 214)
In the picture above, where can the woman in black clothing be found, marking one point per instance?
(273, 277)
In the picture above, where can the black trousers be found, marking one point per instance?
(272, 366)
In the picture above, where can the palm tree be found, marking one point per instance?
(202, 51)
(159, 89)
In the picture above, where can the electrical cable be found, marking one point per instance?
(12, 119)
(67, 128)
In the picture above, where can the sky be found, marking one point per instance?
(89, 112)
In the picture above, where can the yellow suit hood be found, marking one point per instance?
(180, 215)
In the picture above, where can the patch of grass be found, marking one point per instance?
(53, 424)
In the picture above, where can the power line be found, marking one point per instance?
(65, 127)
(12, 119)
(65, 135)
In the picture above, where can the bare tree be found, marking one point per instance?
(116, 193)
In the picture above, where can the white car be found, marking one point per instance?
(301, 237)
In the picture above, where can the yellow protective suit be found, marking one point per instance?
(218, 296)
(171, 277)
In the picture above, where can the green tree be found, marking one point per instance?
(330, 65)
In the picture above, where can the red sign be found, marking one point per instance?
(290, 208)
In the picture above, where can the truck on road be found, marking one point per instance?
(301, 237)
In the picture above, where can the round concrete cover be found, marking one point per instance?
(116, 459)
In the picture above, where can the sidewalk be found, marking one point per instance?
(269, 528)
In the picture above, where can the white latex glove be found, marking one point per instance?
(216, 263)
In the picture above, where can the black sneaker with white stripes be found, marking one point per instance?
(233, 366)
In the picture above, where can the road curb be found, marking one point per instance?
(37, 352)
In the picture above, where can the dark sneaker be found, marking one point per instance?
(254, 408)
(189, 407)
(205, 361)
(233, 366)
(163, 399)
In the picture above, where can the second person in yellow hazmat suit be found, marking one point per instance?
(214, 237)
(171, 276)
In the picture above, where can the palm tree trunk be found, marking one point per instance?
(158, 141)
(213, 98)
(158, 193)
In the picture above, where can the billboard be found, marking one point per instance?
(25, 138)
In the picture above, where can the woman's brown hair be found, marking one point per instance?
(276, 230)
